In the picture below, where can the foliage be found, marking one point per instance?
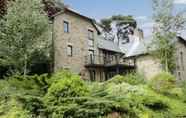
(165, 50)
(63, 90)
(13, 109)
(132, 78)
(26, 91)
(52, 6)
(183, 86)
(66, 87)
(40, 62)
(163, 82)
(167, 27)
(123, 24)
(66, 95)
(2, 7)
(22, 31)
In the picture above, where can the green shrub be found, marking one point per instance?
(29, 85)
(163, 82)
(183, 86)
(66, 86)
(133, 79)
(65, 95)
(4, 89)
(34, 105)
(63, 91)
(60, 75)
(176, 93)
(13, 109)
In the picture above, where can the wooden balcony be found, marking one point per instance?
(102, 61)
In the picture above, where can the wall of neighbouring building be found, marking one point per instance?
(180, 61)
(78, 38)
(148, 66)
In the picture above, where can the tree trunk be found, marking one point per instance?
(25, 66)
(166, 63)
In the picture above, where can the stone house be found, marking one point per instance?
(138, 50)
(79, 47)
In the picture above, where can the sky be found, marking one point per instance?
(141, 10)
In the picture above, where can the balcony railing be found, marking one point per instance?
(129, 62)
(102, 60)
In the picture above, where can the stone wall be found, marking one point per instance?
(180, 61)
(77, 38)
(148, 66)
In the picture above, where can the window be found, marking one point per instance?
(91, 38)
(92, 75)
(91, 54)
(182, 60)
(101, 76)
(90, 34)
(66, 26)
(179, 75)
(69, 50)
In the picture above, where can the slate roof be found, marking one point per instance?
(108, 45)
(137, 47)
(140, 47)
(67, 9)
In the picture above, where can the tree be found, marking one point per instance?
(124, 25)
(107, 28)
(52, 6)
(166, 29)
(2, 7)
(23, 30)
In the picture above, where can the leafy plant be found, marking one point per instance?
(132, 78)
(163, 82)
(23, 29)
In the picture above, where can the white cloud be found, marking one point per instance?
(180, 1)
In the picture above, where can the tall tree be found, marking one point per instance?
(124, 25)
(107, 28)
(22, 31)
(166, 29)
(52, 6)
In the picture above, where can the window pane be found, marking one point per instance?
(90, 34)
(91, 52)
(66, 26)
(182, 60)
(90, 38)
(91, 42)
(69, 50)
(91, 56)
(92, 75)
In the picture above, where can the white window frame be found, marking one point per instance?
(90, 38)
(70, 50)
(66, 27)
